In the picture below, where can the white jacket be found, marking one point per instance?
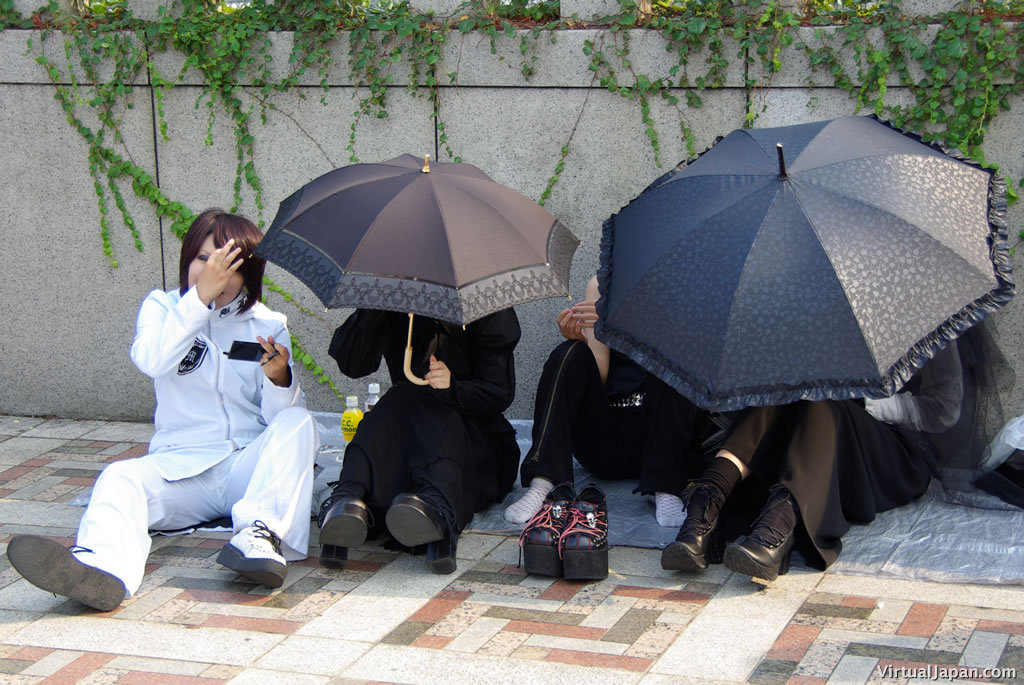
(207, 405)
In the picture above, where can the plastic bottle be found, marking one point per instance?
(350, 418)
(374, 395)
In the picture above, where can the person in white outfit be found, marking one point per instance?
(232, 436)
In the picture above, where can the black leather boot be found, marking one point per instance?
(332, 556)
(426, 519)
(764, 553)
(344, 522)
(441, 553)
(692, 549)
(413, 521)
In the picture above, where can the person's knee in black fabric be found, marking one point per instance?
(356, 477)
(564, 353)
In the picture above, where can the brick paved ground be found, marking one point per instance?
(385, 619)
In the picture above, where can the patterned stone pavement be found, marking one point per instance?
(385, 619)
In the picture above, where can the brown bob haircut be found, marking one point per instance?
(223, 227)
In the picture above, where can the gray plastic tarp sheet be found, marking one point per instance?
(975, 539)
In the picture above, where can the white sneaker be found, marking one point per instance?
(255, 552)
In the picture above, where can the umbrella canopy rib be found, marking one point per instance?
(789, 294)
(728, 158)
(946, 239)
(312, 246)
(948, 195)
(394, 250)
(334, 232)
(769, 194)
(858, 138)
(312, 195)
(673, 225)
(883, 263)
(708, 282)
(492, 243)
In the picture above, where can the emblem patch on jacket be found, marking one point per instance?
(191, 361)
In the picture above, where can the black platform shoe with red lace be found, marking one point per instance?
(539, 539)
(764, 553)
(584, 540)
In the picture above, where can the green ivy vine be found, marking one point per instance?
(960, 79)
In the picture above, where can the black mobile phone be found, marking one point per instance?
(245, 351)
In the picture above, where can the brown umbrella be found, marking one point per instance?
(440, 240)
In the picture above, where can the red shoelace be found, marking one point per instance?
(545, 519)
(589, 524)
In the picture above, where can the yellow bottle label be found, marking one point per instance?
(350, 419)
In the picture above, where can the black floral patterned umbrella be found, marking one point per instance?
(820, 261)
(439, 240)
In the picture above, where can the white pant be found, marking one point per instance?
(270, 480)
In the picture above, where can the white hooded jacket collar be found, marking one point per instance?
(231, 310)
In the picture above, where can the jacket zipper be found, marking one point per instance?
(551, 403)
(216, 387)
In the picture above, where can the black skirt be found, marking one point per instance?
(842, 466)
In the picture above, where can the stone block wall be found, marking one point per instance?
(70, 316)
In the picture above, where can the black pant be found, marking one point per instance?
(411, 442)
(572, 417)
(842, 465)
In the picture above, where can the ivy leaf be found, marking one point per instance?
(957, 48)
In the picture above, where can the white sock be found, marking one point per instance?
(523, 509)
(668, 509)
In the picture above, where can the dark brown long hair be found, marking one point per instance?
(223, 227)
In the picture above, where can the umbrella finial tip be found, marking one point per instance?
(782, 161)
(426, 164)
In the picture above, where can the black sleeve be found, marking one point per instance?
(491, 385)
(359, 343)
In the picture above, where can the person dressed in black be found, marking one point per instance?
(820, 467)
(596, 404)
(427, 455)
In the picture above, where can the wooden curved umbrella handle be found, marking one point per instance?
(407, 361)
